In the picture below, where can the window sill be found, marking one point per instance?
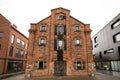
(42, 45)
(43, 31)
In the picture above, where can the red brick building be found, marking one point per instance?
(13, 47)
(59, 45)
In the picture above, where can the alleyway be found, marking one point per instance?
(99, 75)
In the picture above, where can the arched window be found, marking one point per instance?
(79, 65)
(78, 41)
(42, 41)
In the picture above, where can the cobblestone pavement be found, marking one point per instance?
(98, 76)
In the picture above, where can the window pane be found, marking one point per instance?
(42, 41)
(78, 42)
(18, 40)
(117, 37)
(43, 28)
(79, 65)
(12, 39)
(11, 51)
(1, 34)
(95, 39)
(60, 30)
(60, 43)
(19, 53)
(116, 24)
(77, 28)
(60, 17)
(22, 42)
(0, 46)
(41, 65)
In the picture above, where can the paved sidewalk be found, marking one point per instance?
(11, 74)
(98, 76)
(111, 73)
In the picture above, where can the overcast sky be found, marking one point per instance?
(97, 13)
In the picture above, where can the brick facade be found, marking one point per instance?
(67, 48)
(10, 58)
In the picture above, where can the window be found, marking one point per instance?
(77, 28)
(19, 53)
(43, 28)
(100, 55)
(79, 65)
(41, 41)
(77, 42)
(0, 46)
(108, 51)
(22, 43)
(116, 24)
(60, 44)
(119, 50)
(11, 51)
(18, 41)
(12, 38)
(96, 39)
(1, 34)
(41, 65)
(60, 30)
(61, 17)
(116, 38)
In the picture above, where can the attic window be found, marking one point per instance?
(61, 17)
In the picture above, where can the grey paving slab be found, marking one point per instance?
(98, 76)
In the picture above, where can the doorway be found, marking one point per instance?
(60, 68)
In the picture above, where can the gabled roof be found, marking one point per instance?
(3, 18)
(60, 8)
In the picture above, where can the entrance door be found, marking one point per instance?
(59, 68)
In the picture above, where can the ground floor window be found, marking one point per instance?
(79, 65)
(40, 65)
(108, 65)
(14, 65)
(115, 65)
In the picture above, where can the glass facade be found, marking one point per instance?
(109, 65)
(14, 66)
(115, 65)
